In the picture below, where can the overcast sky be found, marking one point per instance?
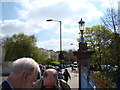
(29, 17)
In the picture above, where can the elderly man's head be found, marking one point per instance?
(50, 78)
(25, 71)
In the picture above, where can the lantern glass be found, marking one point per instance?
(81, 24)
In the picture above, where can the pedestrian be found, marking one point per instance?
(24, 72)
(59, 72)
(49, 81)
(40, 74)
(66, 75)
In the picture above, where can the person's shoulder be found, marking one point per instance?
(38, 83)
(4, 84)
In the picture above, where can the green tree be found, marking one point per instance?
(111, 22)
(22, 45)
(50, 60)
(98, 39)
(115, 52)
(40, 57)
(67, 55)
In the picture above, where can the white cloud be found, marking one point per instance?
(91, 12)
(109, 3)
(33, 16)
(67, 44)
(10, 27)
(13, 0)
(36, 12)
(54, 44)
(58, 9)
(51, 44)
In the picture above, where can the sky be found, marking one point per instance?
(29, 17)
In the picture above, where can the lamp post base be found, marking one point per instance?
(83, 58)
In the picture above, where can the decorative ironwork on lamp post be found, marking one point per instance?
(81, 27)
(61, 56)
(82, 46)
(83, 55)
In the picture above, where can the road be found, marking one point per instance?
(74, 82)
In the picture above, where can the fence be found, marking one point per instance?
(99, 80)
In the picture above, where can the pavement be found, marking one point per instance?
(74, 82)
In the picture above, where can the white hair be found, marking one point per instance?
(25, 64)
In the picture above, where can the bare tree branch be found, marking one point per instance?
(110, 19)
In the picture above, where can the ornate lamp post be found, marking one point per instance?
(81, 27)
(82, 54)
(60, 54)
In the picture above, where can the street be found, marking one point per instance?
(74, 82)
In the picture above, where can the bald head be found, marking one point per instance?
(50, 78)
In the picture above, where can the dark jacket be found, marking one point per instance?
(66, 76)
(61, 85)
(5, 86)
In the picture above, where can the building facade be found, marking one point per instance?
(51, 53)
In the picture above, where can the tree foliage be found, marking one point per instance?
(68, 56)
(111, 22)
(100, 39)
(50, 60)
(22, 45)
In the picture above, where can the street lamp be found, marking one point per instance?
(60, 55)
(81, 45)
(81, 27)
(83, 55)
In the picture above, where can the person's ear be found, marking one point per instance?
(26, 74)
